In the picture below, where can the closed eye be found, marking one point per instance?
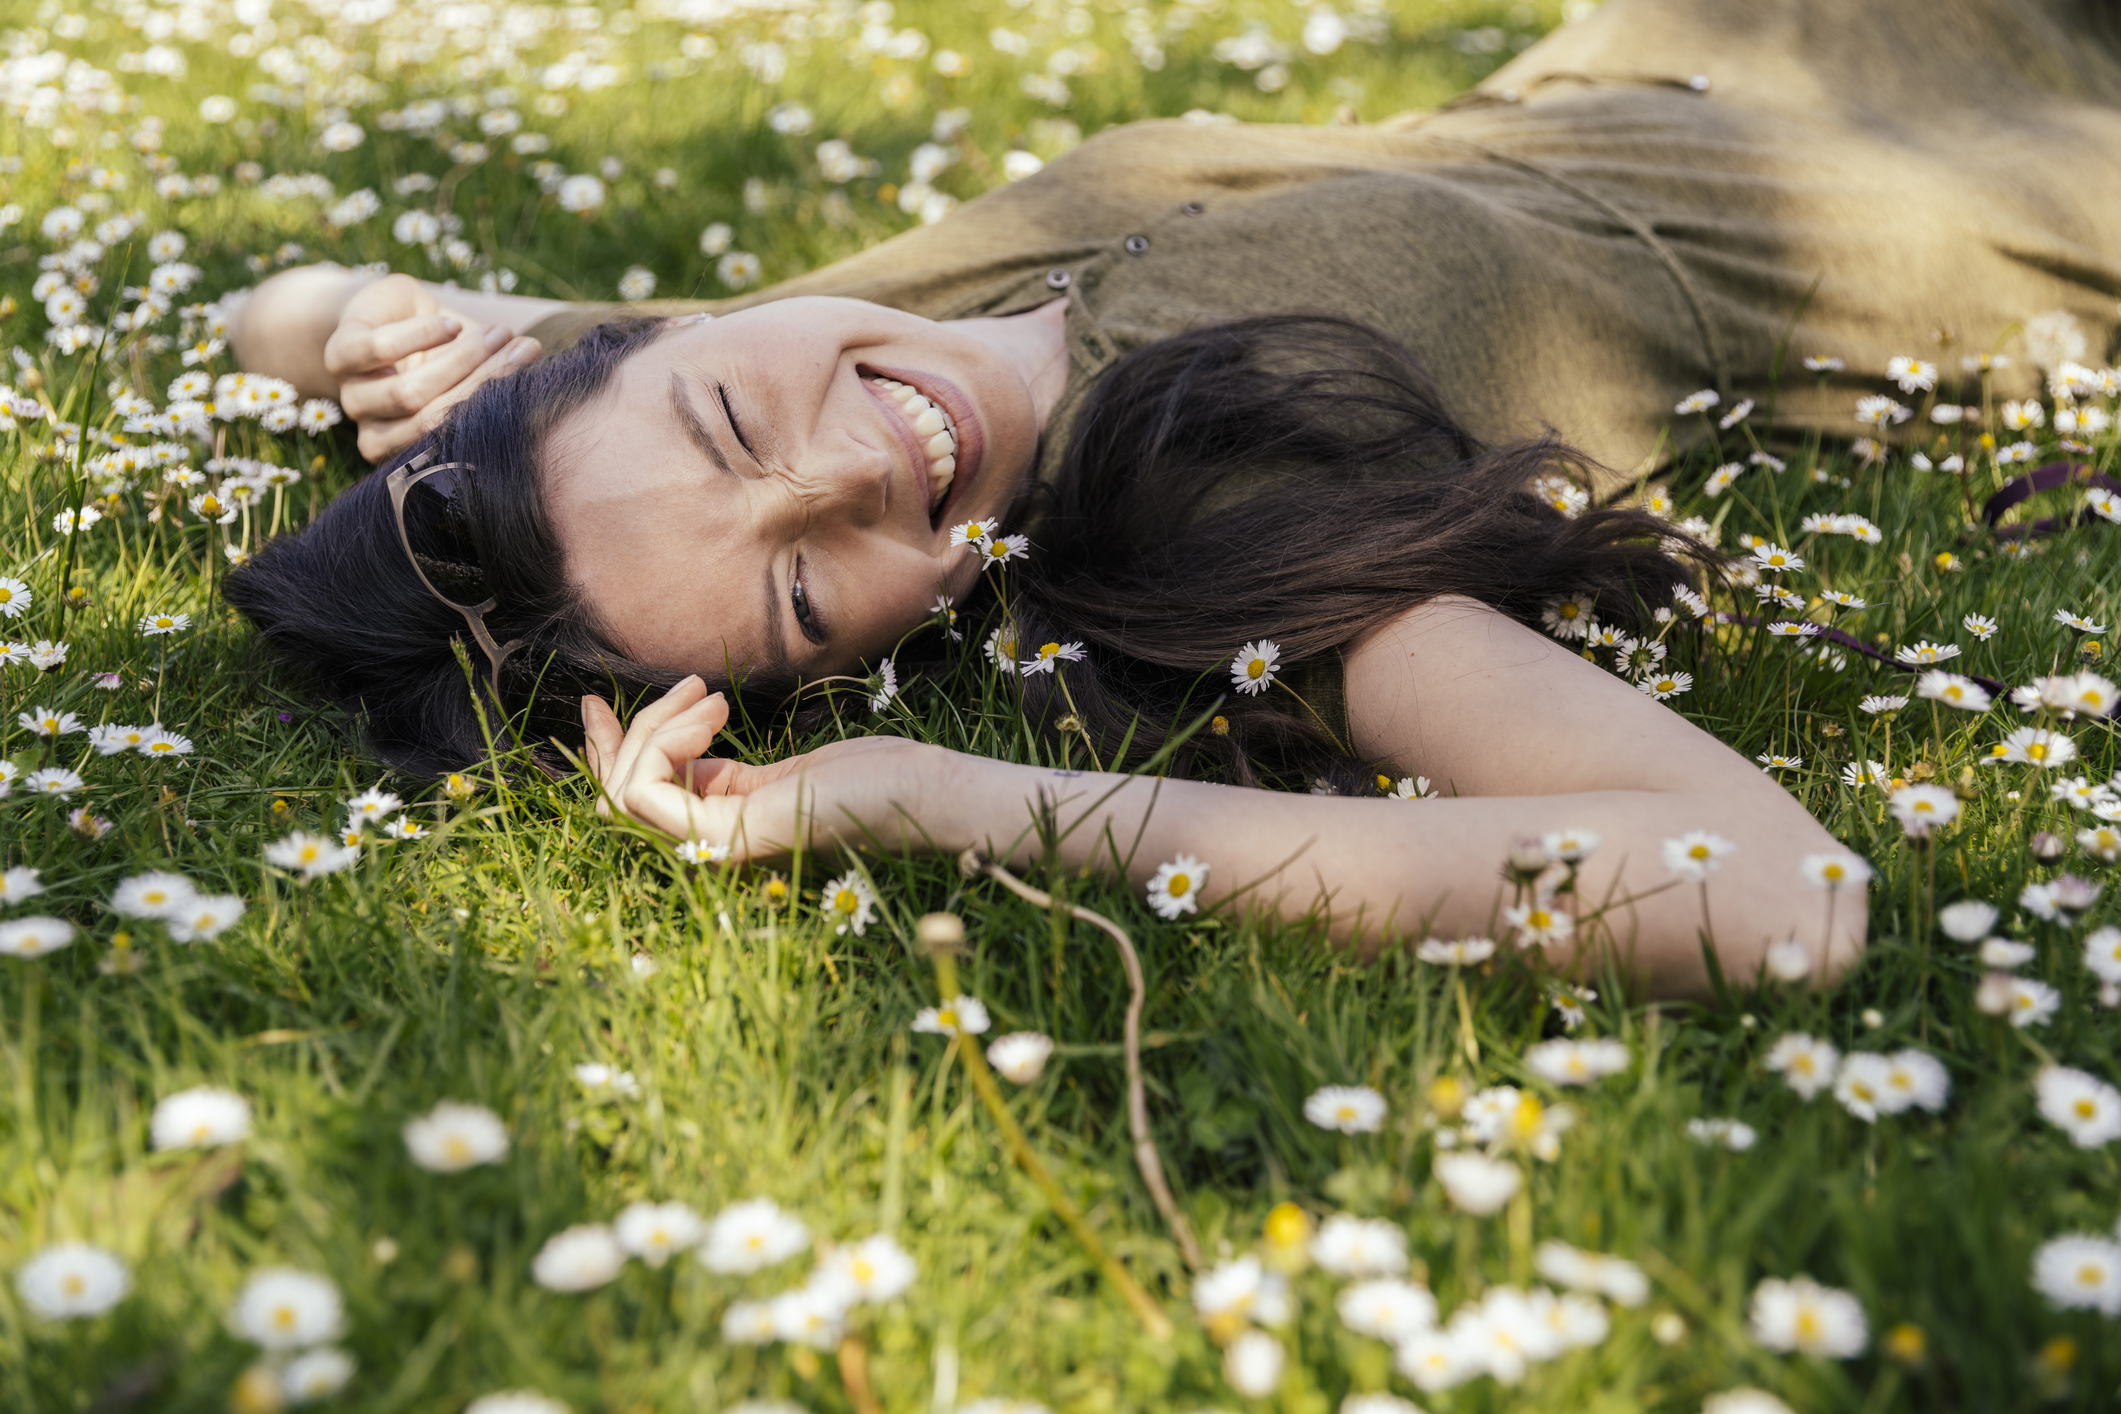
(722, 392)
(806, 615)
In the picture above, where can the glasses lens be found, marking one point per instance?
(439, 528)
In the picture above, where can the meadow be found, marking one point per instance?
(322, 1085)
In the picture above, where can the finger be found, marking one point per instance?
(515, 354)
(601, 735)
(402, 393)
(684, 697)
(355, 348)
(670, 749)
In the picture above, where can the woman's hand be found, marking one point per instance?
(897, 792)
(402, 361)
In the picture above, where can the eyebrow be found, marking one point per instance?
(689, 419)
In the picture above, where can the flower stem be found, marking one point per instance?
(1152, 1315)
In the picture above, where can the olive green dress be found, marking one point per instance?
(1659, 199)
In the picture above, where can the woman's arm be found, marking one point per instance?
(395, 351)
(1452, 688)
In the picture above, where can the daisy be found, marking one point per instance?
(1252, 670)
(1696, 854)
(1665, 686)
(2002, 955)
(2080, 1271)
(1740, 410)
(1406, 788)
(453, 1137)
(974, 533)
(15, 597)
(1918, 1079)
(1565, 1062)
(1835, 870)
(152, 895)
(205, 918)
(2034, 746)
(72, 1281)
(1912, 374)
(956, 1016)
(1434, 1361)
(1001, 549)
(1455, 952)
(744, 1323)
(1808, 1064)
(161, 743)
(201, 1118)
(1804, 1317)
(1570, 846)
(1693, 603)
(318, 415)
(1640, 658)
(1733, 1134)
(52, 780)
(700, 852)
(50, 724)
(1569, 1004)
(32, 938)
(1824, 363)
(1925, 652)
(1615, 1278)
(1967, 921)
(1921, 809)
(404, 828)
(45, 655)
(1050, 654)
(374, 803)
(1349, 1246)
(1176, 886)
(1860, 1085)
(2104, 504)
(850, 901)
(2078, 622)
(2031, 1002)
(887, 685)
(605, 1082)
(2102, 842)
(1020, 1057)
(2102, 954)
(1001, 648)
(1877, 703)
(1721, 478)
(1788, 628)
(1864, 773)
(1980, 626)
(316, 1374)
(1253, 1364)
(2081, 1105)
(1388, 1309)
(313, 855)
(1697, 402)
(1475, 1183)
(1952, 690)
(875, 1269)
(750, 1236)
(654, 1231)
(1350, 1109)
(1568, 618)
(580, 1258)
(19, 883)
(280, 1308)
(1538, 923)
(1771, 762)
(155, 625)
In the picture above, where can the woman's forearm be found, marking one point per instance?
(1388, 869)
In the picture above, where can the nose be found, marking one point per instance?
(837, 482)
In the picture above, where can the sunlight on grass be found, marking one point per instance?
(395, 1093)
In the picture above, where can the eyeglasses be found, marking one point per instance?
(436, 494)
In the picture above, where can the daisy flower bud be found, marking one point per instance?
(1020, 1057)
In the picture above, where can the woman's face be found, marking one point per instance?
(750, 491)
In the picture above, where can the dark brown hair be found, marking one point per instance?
(1291, 477)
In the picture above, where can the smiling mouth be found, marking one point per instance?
(933, 429)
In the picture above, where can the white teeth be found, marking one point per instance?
(938, 432)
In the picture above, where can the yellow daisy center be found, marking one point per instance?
(456, 1149)
(1570, 611)
(2037, 751)
(1177, 885)
(863, 1271)
(284, 1317)
(1049, 650)
(2085, 1109)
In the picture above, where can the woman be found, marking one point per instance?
(1641, 206)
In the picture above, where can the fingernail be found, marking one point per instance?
(495, 337)
(452, 327)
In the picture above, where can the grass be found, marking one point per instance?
(774, 1056)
